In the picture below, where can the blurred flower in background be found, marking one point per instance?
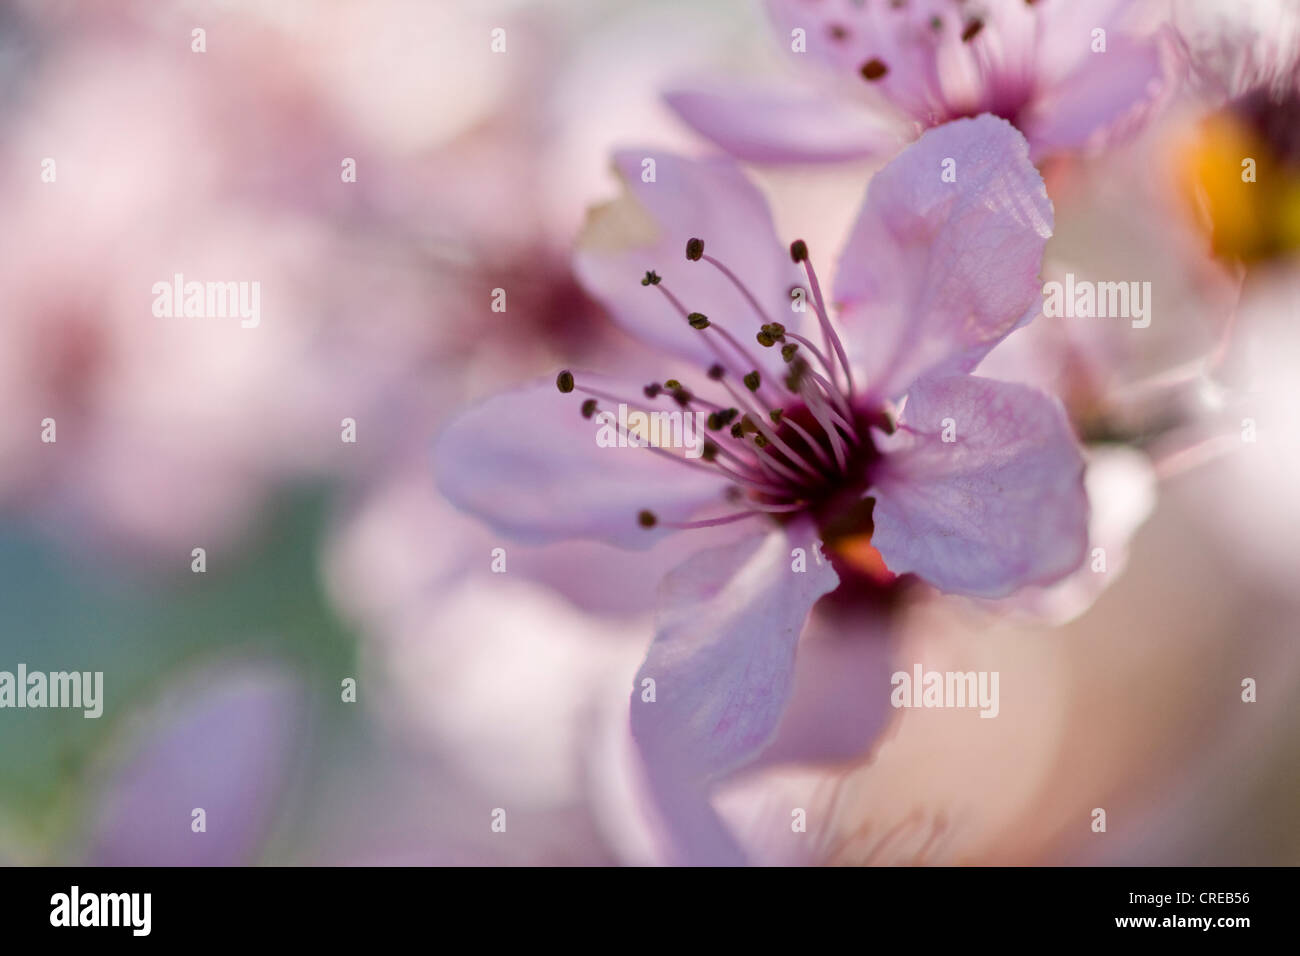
(355, 672)
(868, 74)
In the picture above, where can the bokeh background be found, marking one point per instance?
(329, 560)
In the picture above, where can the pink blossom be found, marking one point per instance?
(876, 432)
(1066, 74)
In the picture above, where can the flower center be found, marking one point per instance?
(1005, 84)
(797, 445)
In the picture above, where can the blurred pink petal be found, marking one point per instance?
(224, 747)
(781, 124)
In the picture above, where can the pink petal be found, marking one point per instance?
(782, 125)
(829, 717)
(1001, 507)
(1235, 48)
(722, 663)
(1066, 35)
(223, 746)
(648, 229)
(1107, 95)
(936, 273)
(527, 463)
(843, 37)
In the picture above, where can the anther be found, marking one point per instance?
(672, 383)
(722, 419)
(798, 250)
(698, 320)
(752, 381)
(788, 351)
(716, 372)
(588, 408)
(652, 390)
(765, 338)
(682, 397)
(709, 451)
(972, 30)
(647, 519)
(873, 70)
(651, 278)
(564, 381)
(797, 369)
(694, 249)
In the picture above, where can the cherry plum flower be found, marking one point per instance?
(1246, 61)
(853, 453)
(1068, 75)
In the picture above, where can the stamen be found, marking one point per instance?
(778, 509)
(811, 347)
(740, 286)
(799, 253)
(590, 406)
(756, 418)
(761, 486)
(821, 412)
(844, 424)
(708, 464)
(775, 469)
(810, 441)
(799, 369)
(706, 523)
(681, 309)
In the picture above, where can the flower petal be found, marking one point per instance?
(224, 746)
(1240, 47)
(1105, 97)
(935, 273)
(648, 229)
(528, 464)
(722, 663)
(782, 126)
(829, 717)
(1000, 507)
(1121, 487)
